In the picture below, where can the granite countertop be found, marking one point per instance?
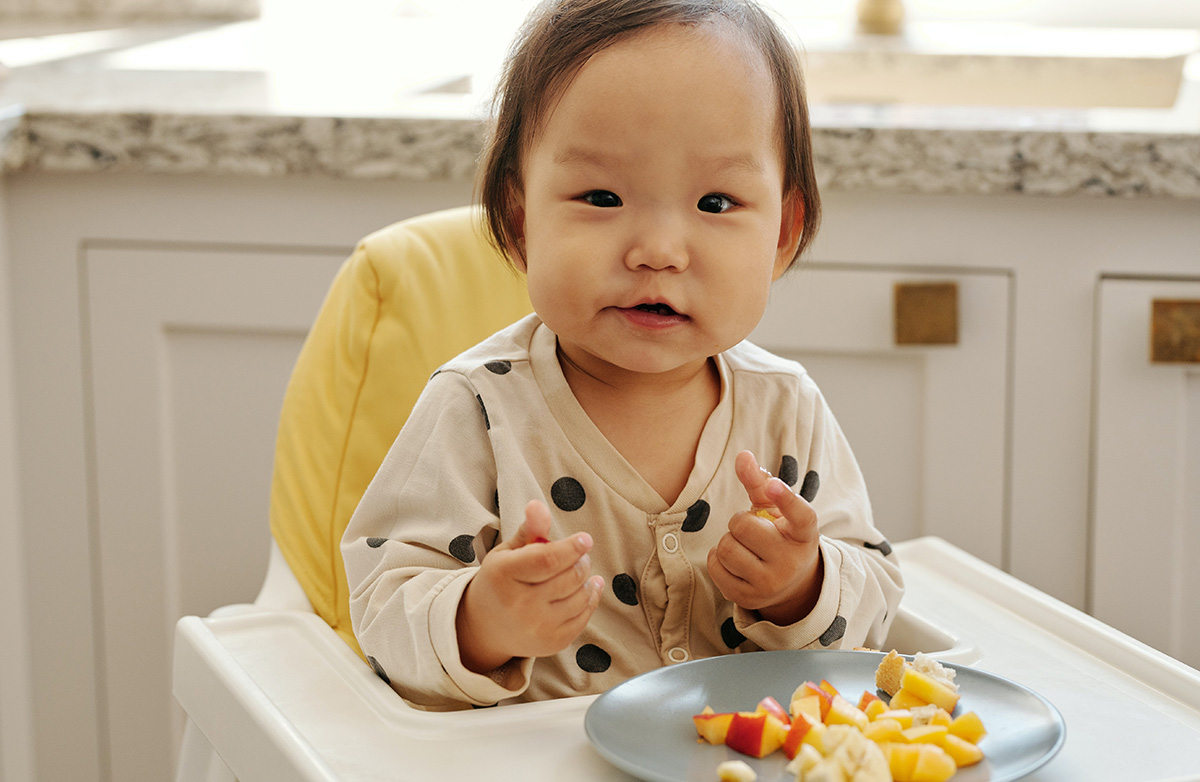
(403, 100)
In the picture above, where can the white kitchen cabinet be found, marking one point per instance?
(155, 322)
(928, 423)
(1146, 470)
(190, 349)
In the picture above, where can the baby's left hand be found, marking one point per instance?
(770, 566)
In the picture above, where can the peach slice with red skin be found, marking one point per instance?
(802, 725)
(756, 733)
(713, 726)
(809, 689)
(774, 708)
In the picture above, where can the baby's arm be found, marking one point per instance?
(415, 545)
(530, 598)
(856, 584)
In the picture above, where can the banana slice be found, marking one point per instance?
(849, 757)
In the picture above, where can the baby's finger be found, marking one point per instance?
(542, 563)
(754, 479)
(799, 521)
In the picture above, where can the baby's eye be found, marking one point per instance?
(715, 203)
(602, 198)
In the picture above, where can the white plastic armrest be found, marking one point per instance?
(280, 590)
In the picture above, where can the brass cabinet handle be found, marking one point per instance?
(926, 313)
(880, 17)
(1175, 331)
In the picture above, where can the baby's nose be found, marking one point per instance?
(660, 244)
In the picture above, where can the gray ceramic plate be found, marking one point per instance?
(644, 725)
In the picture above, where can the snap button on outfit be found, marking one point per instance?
(677, 654)
(670, 543)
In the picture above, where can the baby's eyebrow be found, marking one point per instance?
(583, 156)
(738, 162)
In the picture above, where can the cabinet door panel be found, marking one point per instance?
(190, 352)
(1146, 475)
(928, 423)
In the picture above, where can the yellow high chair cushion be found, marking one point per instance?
(410, 297)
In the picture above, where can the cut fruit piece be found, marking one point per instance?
(903, 716)
(963, 752)
(906, 700)
(924, 734)
(797, 731)
(933, 765)
(884, 730)
(927, 689)
(867, 699)
(736, 771)
(902, 759)
(968, 726)
(773, 707)
(757, 734)
(711, 726)
(842, 712)
(875, 708)
(809, 706)
(808, 690)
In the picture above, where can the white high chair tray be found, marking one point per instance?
(281, 697)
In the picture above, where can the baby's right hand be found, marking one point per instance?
(531, 597)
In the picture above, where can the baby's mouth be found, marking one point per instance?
(656, 309)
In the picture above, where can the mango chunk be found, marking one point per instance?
(968, 726)
(963, 752)
(928, 690)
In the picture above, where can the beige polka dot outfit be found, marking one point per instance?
(498, 426)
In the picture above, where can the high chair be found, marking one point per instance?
(410, 297)
(278, 689)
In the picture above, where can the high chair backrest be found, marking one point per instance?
(411, 296)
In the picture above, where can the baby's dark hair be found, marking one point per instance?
(557, 39)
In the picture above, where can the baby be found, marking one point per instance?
(578, 499)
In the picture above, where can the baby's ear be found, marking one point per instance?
(791, 228)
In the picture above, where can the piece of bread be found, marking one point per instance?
(889, 672)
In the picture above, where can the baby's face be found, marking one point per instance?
(654, 217)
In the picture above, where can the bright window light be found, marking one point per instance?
(1075, 13)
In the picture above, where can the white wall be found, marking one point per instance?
(16, 741)
(129, 9)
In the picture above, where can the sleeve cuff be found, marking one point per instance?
(507, 681)
(823, 626)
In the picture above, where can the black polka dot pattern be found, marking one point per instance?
(835, 631)
(593, 659)
(808, 489)
(625, 589)
(789, 470)
(730, 635)
(500, 367)
(697, 517)
(568, 494)
(487, 424)
(376, 542)
(382, 674)
(463, 548)
(883, 547)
